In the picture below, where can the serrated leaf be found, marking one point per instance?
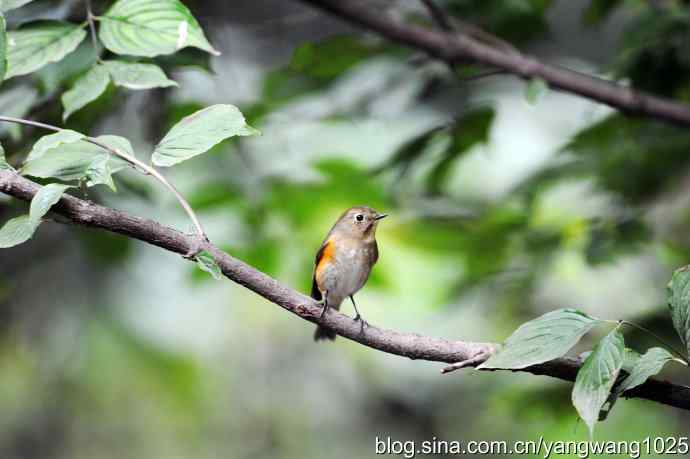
(597, 376)
(7, 5)
(16, 231)
(542, 339)
(535, 90)
(71, 161)
(207, 263)
(44, 200)
(137, 76)
(35, 45)
(50, 141)
(151, 28)
(679, 303)
(198, 132)
(85, 90)
(3, 47)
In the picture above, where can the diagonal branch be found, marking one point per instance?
(409, 345)
(455, 47)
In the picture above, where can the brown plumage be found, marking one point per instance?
(344, 261)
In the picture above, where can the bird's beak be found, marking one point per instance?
(380, 216)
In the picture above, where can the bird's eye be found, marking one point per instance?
(359, 217)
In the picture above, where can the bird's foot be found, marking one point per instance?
(363, 323)
(324, 306)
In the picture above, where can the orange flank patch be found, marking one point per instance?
(326, 255)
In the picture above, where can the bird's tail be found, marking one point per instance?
(324, 333)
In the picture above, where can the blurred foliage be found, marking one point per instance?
(119, 347)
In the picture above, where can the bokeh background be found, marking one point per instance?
(507, 200)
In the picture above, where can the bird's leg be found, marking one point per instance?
(324, 301)
(358, 316)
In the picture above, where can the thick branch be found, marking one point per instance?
(409, 345)
(455, 47)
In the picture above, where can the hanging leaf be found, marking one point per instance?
(207, 263)
(597, 376)
(542, 339)
(85, 90)
(44, 200)
(37, 44)
(137, 76)
(198, 132)
(679, 303)
(16, 231)
(151, 28)
(50, 141)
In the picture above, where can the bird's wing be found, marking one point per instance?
(374, 254)
(323, 256)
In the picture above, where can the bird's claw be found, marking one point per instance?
(198, 245)
(363, 323)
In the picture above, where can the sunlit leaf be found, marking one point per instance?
(16, 231)
(137, 76)
(35, 45)
(597, 376)
(151, 28)
(207, 263)
(47, 142)
(679, 303)
(85, 90)
(542, 339)
(198, 132)
(44, 200)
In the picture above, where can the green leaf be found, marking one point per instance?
(3, 47)
(50, 141)
(333, 56)
(151, 28)
(646, 366)
(44, 200)
(100, 172)
(72, 161)
(200, 131)
(85, 90)
(207, 263)
(542, 339)
(16, 231)
(597, 376)
(679, 303)
(37, 44)
(7, 5)
(4, 165)
(535, 90)
(118, 143)
(138, 76)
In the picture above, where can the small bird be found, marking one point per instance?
(344, 261)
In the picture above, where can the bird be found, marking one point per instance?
(344, 261)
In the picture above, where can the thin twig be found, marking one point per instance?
(149, 170)
(438, 15)
(92, 28)
(658, 338)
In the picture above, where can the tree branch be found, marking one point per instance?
(409, 345)
(454, 47)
